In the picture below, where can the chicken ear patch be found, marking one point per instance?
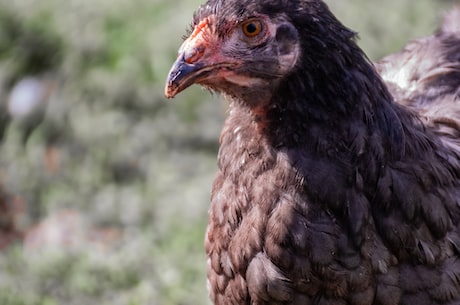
(287, 38)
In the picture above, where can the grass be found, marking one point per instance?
(109, 181)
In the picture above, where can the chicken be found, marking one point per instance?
(328, 191)
(426, 77)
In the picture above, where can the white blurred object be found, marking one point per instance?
(29, 101)
(28, 96)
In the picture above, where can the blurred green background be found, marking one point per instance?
(104, 184)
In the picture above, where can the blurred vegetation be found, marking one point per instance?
(105, 184)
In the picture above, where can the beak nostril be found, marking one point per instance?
(193, 55)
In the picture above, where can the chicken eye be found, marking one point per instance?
(252, 27)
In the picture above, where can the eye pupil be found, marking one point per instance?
(251, 28)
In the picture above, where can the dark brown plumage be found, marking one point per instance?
(328, 192)
(425, 76)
